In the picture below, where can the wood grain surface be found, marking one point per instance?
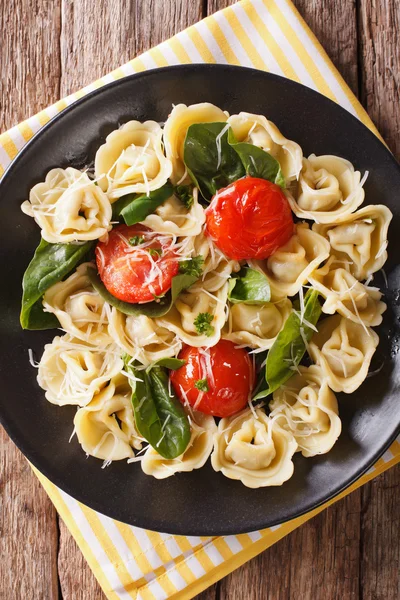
(53, 47)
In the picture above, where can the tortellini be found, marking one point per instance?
(132, 160)
(254, 449)
(360, 241)
(80, 310)
(307, 407)
(257, 130)
(344, 294)
(184, 314)
(173, 218)
(142, 338)
(105, 427)
(72, 372)
(343, 349)
(195, 456)
(175, 130)
(256, 326)
(291, 265)
(69, 207)
(329, 189)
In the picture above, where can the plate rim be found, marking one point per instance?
(149, 522)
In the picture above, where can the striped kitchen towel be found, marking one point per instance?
(131, 563)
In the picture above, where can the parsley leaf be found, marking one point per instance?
(185, 194)
(203, 324)
(136, 240)
(155, 252)
(202, 385)
(192, 266)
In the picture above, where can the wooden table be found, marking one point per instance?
(51, 48)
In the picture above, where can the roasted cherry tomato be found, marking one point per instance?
(216, 381)
(136, 264)
(251, 218)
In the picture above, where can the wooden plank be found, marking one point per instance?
(30, 68)
(99, 37)
(29, 58)
(380, 547)
(28, 530)
(379, 30)
(77, 581)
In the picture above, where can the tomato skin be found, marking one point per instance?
(124, 268)
(250, 218)
(233, 375)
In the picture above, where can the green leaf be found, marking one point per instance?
(192, 266)
(249, 287)
(210, 160)
(50, 264)
(159, 416)
(136, 240)
(203, 325)
(135, 208)
(289, 346)
(256, 161)
(202, 385)
(169, 363)
(184, 193)
(149, 309)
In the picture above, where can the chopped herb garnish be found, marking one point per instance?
(202, 385)
(136, 240)
(192, 266)
(185, 194)
(203, 324)
(155, 252)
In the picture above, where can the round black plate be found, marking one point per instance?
(201, 502)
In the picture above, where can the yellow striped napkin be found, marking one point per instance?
(130, 562)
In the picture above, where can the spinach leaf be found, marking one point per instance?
(210, 160)
(249, 287)
(135, 208)
(159, 416)
(157, 308)
(257, 162)
(50, 264)
(289, 346)
(169, 363)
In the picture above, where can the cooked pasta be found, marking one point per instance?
(69, 207)
(194, 303)
(254, 449)
(329, 189)
(132, 160)
(308, 408)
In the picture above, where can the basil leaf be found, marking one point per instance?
(159, 416)
(135, 208)
(50, 264)
(210, 160)
(149, 309)
(249, 287)
(169, 363)
(289, 346)
(256, 161)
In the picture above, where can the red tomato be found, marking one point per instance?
(136, 264)
(250, 218)
(228, 373)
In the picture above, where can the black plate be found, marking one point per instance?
(201, 502)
